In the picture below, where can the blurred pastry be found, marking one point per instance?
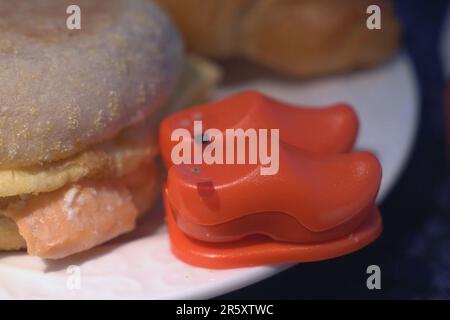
(300, 38)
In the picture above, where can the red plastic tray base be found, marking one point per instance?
(260, 250)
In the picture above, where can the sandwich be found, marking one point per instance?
(79, 110)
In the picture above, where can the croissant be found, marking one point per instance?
(300, 38)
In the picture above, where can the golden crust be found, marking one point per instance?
(318, 37)
(300, 38)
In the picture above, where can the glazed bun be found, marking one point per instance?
(63, 90)
(299, 38)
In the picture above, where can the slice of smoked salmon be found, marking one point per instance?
(80, 216)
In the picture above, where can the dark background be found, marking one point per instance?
(414, 249)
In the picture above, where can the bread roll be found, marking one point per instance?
(63, 90)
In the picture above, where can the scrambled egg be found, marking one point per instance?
(113, 158)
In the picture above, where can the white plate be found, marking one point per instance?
(140, 265)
